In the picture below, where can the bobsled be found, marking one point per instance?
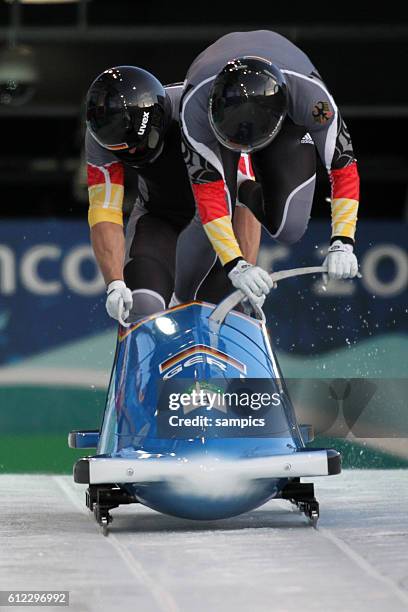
(198, 422)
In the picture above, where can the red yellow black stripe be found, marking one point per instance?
(200, 349)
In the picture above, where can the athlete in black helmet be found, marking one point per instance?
(259, 93)
(129, 112)
(133, 139)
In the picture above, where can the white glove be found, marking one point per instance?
(119, 300)
(253, 281)
(340, 261)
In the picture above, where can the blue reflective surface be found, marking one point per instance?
(179, 345)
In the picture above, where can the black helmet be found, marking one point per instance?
(126, 108)
(248, 103)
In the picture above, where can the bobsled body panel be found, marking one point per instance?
(173, 353)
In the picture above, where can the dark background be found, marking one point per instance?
(361, 55)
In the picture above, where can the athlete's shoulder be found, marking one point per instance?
(310, 101)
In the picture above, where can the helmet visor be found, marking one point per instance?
(248, 104)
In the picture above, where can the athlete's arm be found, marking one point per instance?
(345, 187)
(214, 206)
(206, 172)
(108, 243)
(105, 217)
(106, 222)
(333, 143)
(231, 241)
(342, 169)
(247, 229)
(216, 216)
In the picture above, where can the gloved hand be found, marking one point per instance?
(340, 261)
(119, 300)
(253, 281)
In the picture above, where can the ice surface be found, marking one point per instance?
(266, 560)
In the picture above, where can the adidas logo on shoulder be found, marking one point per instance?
(307, 139)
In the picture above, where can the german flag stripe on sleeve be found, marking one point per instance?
(105, 188)
(222, 238)
(215, 216)
(345, 184)
(344, 217)
(211, 200)
(98, 174)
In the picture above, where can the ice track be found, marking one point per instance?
(266, 560)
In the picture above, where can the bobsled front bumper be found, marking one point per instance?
(120, 470)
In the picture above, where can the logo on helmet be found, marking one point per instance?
(143, 125)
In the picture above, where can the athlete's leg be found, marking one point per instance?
(150, 262)
(195, 259)
(286, 170)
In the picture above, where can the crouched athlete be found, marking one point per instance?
(257, 93)
(133, 139)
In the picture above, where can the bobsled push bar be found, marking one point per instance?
(303, 463)
(218, 315)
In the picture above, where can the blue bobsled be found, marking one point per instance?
(198, 422)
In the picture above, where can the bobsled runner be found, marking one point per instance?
(198, 422)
